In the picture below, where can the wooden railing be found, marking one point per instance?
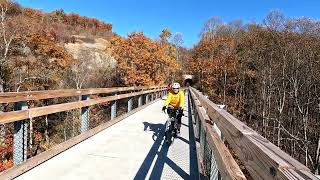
(215, 159)
(261, 158)
(40, 111)
(37, 95)
(23, 113)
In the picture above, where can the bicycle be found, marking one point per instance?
(171, 125)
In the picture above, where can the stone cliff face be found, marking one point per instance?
(94, 65)
(93, 52)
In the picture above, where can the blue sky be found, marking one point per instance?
(184, 16)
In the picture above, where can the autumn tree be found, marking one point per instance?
(9, 18)
(210, 27)
(142, 61)
(165, 34)
(33, 57)
(177, 40)
(268, 75)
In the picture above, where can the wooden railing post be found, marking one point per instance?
(85, 115)
(2, 127)
(20, 136)
(147, 98)
(202, 136)
(130, 105)
(140, 101)
(114, 110)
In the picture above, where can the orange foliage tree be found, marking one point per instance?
(142, 61)
(214, 63)
(40, 65)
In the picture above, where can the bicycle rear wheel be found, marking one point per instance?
(168, 132)
(168, 137)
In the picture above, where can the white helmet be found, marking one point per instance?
(175, 87)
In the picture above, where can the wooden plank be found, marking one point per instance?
(38, 95)
(287, 173)
(262, 159)
(41, 158)
(228, 168)
(13, 116)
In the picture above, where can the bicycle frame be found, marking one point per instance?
(171, 125)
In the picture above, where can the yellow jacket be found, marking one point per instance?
(175, 100)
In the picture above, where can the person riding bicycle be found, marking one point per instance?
(175, 100)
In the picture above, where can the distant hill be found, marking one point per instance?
(38, 47)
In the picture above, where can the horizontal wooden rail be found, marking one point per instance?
(38, 95)
(228, 168)
(13, 116)
(262, 159)
(20, 139)
(44, 156)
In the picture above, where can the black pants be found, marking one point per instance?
(172, 112)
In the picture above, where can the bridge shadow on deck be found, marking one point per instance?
(162, 154)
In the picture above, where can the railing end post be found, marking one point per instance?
(20, 136)
(114, 109)
(85, 115)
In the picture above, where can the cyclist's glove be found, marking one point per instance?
(164, 108)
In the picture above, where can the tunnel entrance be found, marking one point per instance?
(188, 82)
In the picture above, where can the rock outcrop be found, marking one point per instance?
(91, 51)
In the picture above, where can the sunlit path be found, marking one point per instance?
(130, 149)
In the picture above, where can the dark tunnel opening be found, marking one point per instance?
(188, 82)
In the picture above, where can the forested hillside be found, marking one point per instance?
(58, 50)
(268, 75)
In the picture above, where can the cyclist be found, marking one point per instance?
(175, 101)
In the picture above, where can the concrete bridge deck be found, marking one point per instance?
(131, 149)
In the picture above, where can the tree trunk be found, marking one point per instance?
(64, 131)
(293, 153)
(306, 156)
(263, 107)
(1, 84)
(73, 127)
(224, 86)
(305, 125)
(305, 128)
(31, 134)
(279, 134)
(2, 126)
(317, 162)
(46, 133)
(274, 132)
